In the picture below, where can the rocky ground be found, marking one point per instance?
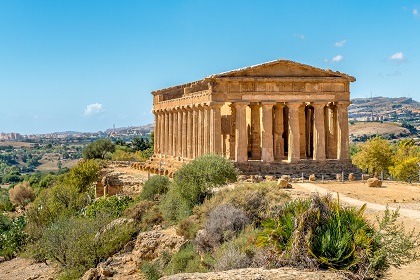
(149, 245)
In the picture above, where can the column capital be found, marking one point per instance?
(294, 105)
(344, 104)
(215, 104)
(279, 105)
(240, 103)
(319, 103)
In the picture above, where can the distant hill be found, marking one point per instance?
(392, 118)
(401, 109)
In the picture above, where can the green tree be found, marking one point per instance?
(98, 149)
(375, 155)
(406, 161)
(82, 175)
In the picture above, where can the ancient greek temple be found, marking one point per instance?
(276, 115)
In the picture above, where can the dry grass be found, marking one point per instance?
(51, 165)
(369, 128)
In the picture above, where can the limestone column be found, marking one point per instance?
(267, 151)
(156, 132)
(294, 132)
(166, 144)
(171, 133)
(255, 131)
(332, 132)
(174, 132)
(184, 133)
(319, 131)
(200, 130)
(343, 130)
(232, 134)
(190, 132)
(179, 133)
(278, 131)
(302, 130)
(206, 123)
(194, 132)
(215, 128)
(241, 154)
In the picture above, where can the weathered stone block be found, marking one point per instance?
(352, 177)
(374, 182)
(312, 177)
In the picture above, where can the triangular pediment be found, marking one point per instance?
(283, 68)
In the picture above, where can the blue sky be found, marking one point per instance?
(86, 65)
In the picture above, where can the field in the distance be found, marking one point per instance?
(369, 128)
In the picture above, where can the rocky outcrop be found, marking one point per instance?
(149, 246)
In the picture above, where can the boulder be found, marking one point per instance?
(374, 182)
(283, 184)
(312, 177)
(338, 177)
(352, 177)
(365, 176)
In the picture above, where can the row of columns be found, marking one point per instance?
(188, 131)
(266, 136)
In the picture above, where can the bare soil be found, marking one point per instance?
(369, 128)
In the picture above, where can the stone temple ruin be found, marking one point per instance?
(279, 117)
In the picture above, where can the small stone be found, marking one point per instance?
(312, 177)
(352, 177)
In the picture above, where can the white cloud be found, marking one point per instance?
(94, 108)
(337, 58)
(398, 56)
(415, 12)
(340, 44)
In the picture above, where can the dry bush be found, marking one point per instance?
(259, 201)
(223, 223)
(21, 194)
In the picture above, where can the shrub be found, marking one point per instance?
(239, 252)
(5, 204)
(156, 185)
(223, 223)
(260, 201)
(50, 204)
(151, 270)
(12, 237)
(194, 182)
(185, 260)
(138, 210)
(21, 194)
(187, 228)
(82, 175)
(114, 205)
(80, 243)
